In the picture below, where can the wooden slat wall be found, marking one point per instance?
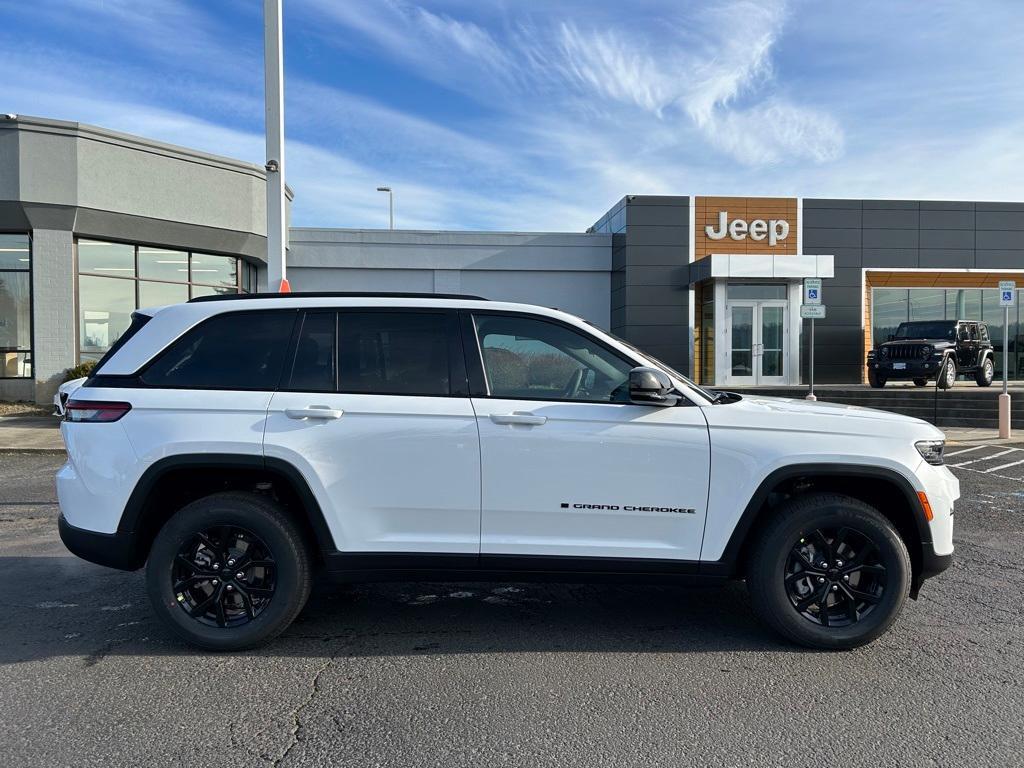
(706, 210)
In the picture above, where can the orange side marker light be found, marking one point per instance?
(925, 505)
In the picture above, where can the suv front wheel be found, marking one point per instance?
(228, 572)
(829, 572)
(947, 374)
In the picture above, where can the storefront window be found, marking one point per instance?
(115, 279)
(214, 270)
(889, 308)
(892, 306)
(160, 264)
(15, 307)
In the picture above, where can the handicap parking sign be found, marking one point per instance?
(1007, 293)
(812, 293)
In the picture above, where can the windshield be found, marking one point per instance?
(937, 329)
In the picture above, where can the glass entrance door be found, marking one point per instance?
(757, 351)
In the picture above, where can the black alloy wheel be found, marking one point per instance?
(828, 571)
(229, 571)
(224, 576)
(835, 578)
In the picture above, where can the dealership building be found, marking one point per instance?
(95, 224)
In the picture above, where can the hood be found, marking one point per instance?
(933, 342)
(791, 415)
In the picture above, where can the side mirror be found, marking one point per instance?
(650, 386)
(891, 337)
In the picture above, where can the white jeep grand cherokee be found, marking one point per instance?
(236, 445)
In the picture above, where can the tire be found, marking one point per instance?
(920, 382)
(792, 535)
(985, 373)
(947, 374)
(270, 552)
(876, 381)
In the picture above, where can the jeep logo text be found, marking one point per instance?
(758, 229)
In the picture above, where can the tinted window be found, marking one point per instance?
(530, 358)
(236, 350)
(395, 353)
(315, 365)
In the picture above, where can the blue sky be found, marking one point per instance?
(540, 115)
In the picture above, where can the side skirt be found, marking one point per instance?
(410, 566)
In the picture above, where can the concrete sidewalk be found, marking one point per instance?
(30, 434)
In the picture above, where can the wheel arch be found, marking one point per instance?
(885, 489)
(171, 482)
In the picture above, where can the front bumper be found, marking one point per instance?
(114, 550)
(912, 369)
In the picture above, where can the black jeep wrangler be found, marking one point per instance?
(934, 349)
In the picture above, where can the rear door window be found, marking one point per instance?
(400, 353)
(234, 350)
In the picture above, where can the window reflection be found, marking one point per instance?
(117, 278)
(15, 306)
(892, 306)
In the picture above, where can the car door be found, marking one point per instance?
(569, 466)
(375, 413)
(968, 347)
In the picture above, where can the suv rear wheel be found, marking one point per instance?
(985, 373)
(228, 572)
(829, 572)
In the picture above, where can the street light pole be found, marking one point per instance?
(391, 205)
(273, 64)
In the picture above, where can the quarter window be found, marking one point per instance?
(235, 350)
(395, 353)
(528, 358)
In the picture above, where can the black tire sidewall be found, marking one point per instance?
(943, 378)
(982, 378)
(767, 572)
(275, 530)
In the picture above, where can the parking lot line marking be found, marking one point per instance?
(1004, 466)
(966, 450)
(985, 458)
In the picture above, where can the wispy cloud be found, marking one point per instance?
(538, 116)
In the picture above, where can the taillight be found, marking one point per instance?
(94, 410)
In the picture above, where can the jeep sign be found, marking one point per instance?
(758, 229)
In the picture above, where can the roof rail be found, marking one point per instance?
(334, 295)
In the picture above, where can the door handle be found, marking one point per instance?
(314, 412)
(518, 418)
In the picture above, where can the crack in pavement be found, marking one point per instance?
(296, 713)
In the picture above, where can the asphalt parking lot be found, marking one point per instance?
(511, 674)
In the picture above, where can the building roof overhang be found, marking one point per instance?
(756, 265)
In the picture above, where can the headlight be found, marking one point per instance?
(884, 352)
(931, 450)
(926, 350)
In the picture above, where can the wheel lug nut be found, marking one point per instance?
(839, 563)
(216, 566)
(231, 588)
(824, 564)
(834, 587)
(846, 577)
(215, 582)
(231, 561)
(821, 579)
(240, 575)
